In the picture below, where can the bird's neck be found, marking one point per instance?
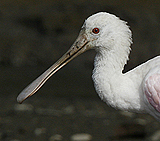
(110, 83)
(110, 62)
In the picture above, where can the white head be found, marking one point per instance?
(113, 32)
(103, 32)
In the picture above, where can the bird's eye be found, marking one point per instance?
(95, 30)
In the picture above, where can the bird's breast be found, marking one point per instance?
(117, 90)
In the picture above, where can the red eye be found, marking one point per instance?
(95, 30)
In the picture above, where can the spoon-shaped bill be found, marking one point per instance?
(79, 46)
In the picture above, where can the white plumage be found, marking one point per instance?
(137, 90)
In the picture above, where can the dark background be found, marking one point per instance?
(33, 35)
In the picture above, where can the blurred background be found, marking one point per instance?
(33, 35)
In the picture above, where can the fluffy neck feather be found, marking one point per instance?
(114, 56)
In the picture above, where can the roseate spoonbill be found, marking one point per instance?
(137, 90)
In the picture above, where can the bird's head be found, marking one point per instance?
(101, 31)
(105, 31)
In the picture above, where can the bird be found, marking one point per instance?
(137, 90)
